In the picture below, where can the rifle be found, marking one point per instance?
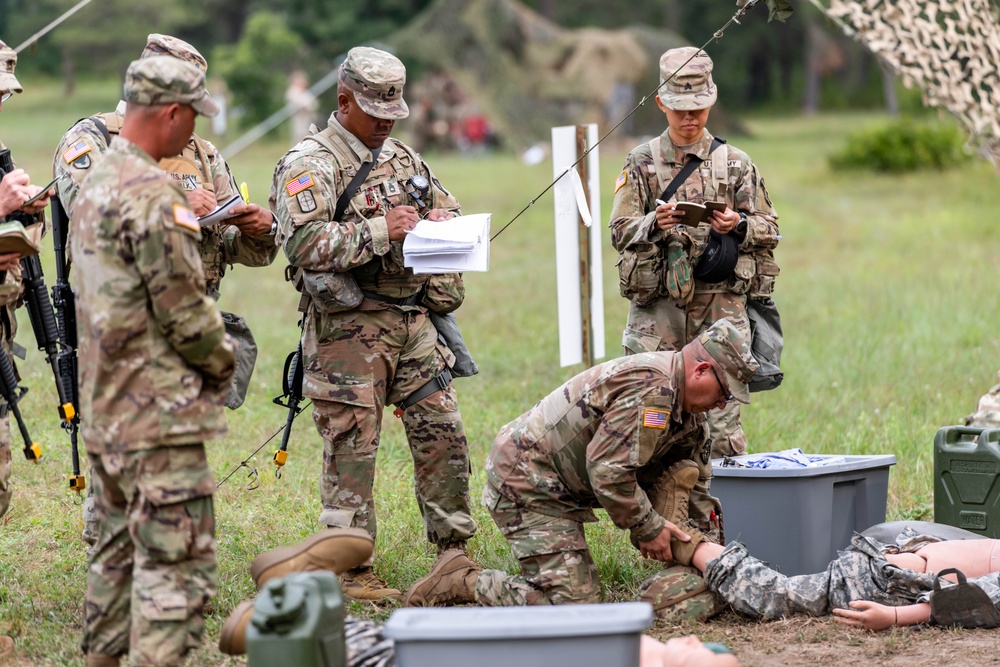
(291, 387)
(64, 302)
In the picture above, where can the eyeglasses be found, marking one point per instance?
(727, 395)
(6, 96)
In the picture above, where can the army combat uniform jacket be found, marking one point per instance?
(598, 441)
(154, 357)
(199, 165)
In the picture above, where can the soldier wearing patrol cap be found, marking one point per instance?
(155, 364)
(246, 238)
(345, 197)
(681, 278)
(610, 438)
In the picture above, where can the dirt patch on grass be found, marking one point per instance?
(814, 642)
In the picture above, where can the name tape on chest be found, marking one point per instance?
(655, 418)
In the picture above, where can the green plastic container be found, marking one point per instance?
(298, 620)
(967, 479)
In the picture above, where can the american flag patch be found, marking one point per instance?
(76, 150)
(185, 217)
(297, 185)
(621, 181)
(655, 418)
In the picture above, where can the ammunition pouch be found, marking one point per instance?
(640, 273)
(329, 292)
(964, 604)
(444, 293)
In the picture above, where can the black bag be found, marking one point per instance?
(766, 343)
(451, 336)
(246, 358)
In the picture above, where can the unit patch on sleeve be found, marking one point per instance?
(655, 418)
(185, 217)
(307, 203)
(622, 178)
(76, 151)
(297, 185)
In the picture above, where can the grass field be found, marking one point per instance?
(888, 302)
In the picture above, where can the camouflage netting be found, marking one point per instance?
(529, 74)
(949, 49)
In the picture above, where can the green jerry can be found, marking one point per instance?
(298, 620)
(967, 479)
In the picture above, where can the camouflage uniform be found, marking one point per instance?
(10, 295)
(385, 348)
(861, 572)
(154, 366)
(987, 414)
(685, 306)
(599, 440)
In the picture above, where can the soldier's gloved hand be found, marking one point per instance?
(658, 548)
(201, 201)
(867, 614)
(400, 219)
(15, 189)
(252, 220)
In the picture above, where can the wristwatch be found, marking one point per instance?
(274, 225)
(741, 227)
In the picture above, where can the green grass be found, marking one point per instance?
(888, 303)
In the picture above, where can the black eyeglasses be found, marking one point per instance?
(727, 395)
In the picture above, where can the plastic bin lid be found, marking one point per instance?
(419, 624)
(850, 464)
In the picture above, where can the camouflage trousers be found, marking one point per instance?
(6, 464)
(556, 566)
(355, 364)
(153, 567)
(665, 325)
(859, 573)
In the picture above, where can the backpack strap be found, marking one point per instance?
(685, 171)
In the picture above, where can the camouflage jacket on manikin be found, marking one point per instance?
(599, 440)
(155, 361)
(310, 178)
(643, 180)
(220, 246)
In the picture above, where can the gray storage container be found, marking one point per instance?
(584, 635)
(797, 519)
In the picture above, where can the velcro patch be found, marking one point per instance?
(186, 218)
(81, 147)
(655, 418)
(307, 203)
(622, 178)
(297, 185)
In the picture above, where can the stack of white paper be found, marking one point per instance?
(449, 246)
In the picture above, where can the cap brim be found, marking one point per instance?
(206, 106)
(9, 82)
(738, 389)
(690, 102)
(384, 110)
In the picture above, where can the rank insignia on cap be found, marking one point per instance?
(185, 217)
(76, 150)
(655, 418)
(297, 185)
(621, 181)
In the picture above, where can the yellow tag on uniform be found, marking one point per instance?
(185, 217)
(655, 418)
(621, 181)
(81, 147)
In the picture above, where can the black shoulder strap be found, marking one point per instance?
(687, 170)
(102, 126)
(351, 188)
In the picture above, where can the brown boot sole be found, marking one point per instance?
(353, 547)
(233, 638)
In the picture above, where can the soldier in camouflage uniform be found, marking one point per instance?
(247, 238)
(367, 337)
(870, 584)
(155, 365)
(987, 414)
(602, 439)
(659, 256)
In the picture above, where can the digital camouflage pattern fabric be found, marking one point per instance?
(602, 439)
(680, 593)
(677, 307)
(360, 358)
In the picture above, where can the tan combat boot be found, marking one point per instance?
(335, 550)
(452, 580)
(233, 638)
(670, 500)
(363, 584)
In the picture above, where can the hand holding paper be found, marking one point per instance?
(449, 246)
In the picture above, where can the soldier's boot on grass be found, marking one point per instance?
(233, 638)
(100, 660)
(363, 584)
(452, 580)
(335, 550)
(670, 500)
(6, 648)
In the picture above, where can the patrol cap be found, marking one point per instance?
(690, 88)
(165, 45)
(8, 60)
(377, 79)
(166, 80)
(731, 351)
